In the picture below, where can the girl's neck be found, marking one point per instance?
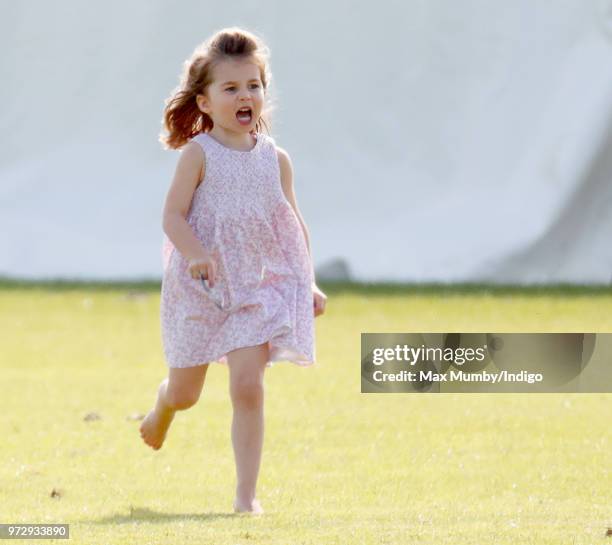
(231, 139)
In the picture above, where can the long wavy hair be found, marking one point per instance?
(182, 118)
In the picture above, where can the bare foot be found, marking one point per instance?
(154, 427)
(252, 508)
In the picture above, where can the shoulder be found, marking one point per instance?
(282, 154)
(192, 157)
(284, 161)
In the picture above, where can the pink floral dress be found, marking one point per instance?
(263, 288)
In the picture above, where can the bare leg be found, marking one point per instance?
(179, 391)
(247, 367)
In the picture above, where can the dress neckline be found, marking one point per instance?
(258, 139)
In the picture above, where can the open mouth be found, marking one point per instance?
(244, 115)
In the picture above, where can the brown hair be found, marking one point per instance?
(182, 118)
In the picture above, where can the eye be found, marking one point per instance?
(256, 85)
(228, 88)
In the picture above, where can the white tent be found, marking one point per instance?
(431, 140)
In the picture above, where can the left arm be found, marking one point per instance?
(286, 175)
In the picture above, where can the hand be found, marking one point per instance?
(319, 300)
(203, 266)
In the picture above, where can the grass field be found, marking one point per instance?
(339, 467)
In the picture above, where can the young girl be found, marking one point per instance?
(238, 285)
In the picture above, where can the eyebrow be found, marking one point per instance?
(226, 82)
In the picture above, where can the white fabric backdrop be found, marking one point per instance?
(431, 140)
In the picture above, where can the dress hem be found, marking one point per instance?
(281, 354)
(269, 363)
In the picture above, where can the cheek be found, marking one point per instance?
(228, 107)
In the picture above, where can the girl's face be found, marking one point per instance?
(236, 86)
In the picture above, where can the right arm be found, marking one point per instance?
(190, 170)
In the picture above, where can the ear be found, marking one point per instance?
(202, 103)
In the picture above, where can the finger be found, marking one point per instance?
(212, 271)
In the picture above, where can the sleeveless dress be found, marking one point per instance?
(264, 278)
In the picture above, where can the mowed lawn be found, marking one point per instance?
(339, 467)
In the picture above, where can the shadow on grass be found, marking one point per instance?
(135, 287)
(139, 514)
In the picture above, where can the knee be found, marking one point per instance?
(181, 400)
(247, 394)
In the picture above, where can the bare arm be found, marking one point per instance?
(189, 171)
(286, 172)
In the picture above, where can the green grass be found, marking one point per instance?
(339, 467)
